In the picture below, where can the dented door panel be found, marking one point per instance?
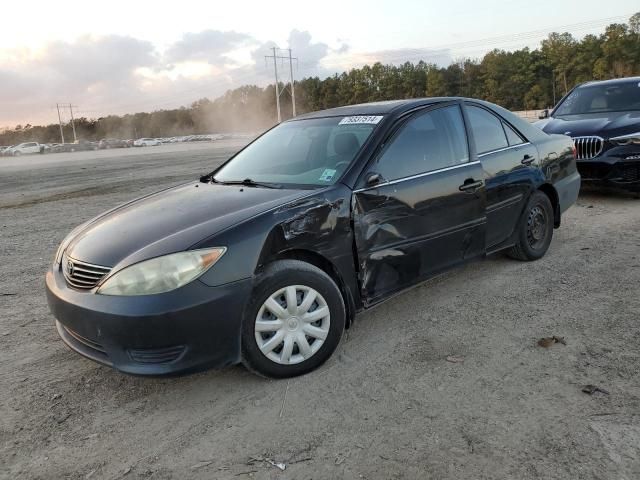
(406, 231)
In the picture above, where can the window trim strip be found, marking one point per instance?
(419, 175)
(480, 155)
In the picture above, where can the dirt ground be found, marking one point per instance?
(388, 404)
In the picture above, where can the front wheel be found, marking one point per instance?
(294, 321)
(535, 230)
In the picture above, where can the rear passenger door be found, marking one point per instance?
(420, 206)
(509, 163)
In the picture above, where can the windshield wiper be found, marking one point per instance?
(247, 182)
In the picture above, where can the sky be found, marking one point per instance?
(129, 56)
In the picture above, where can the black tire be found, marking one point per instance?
(535, 229)
(276, 276)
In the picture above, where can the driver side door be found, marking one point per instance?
(426, 213)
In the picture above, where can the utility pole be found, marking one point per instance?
(275, 69)
(276, 57)
(60, 122)
(73, 125)
(293, 90)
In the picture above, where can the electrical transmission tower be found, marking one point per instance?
(73, 124)
(275, 58)
(60, 123)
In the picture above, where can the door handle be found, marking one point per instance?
(527, 159)
(471, 185)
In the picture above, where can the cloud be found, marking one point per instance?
(344, 59)
(304, 48)
(122, 74)
(209, 46)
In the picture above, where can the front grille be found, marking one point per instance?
(157, 355)
(627, 173)
(85, 341)
(81, 274)
(593, 172)
(588, 147)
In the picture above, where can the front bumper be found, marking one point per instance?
(189, 329)
(618, 167)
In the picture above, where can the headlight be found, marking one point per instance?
(161, 274)
(629, 139)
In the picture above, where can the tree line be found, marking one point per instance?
(523, 79)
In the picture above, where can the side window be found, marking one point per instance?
(430, 141)
(512, 136)
(487, 130)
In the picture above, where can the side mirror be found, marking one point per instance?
(544, 114)
(373, 179)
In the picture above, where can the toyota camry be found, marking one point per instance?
(267, 259)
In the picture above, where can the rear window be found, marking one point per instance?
(512, 136)
(487, 130)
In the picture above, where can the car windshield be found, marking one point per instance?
(623, 96)
(302, 152)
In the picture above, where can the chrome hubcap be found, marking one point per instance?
(292, 324)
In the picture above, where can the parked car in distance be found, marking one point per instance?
(147, 142)
(267, 259)
(25, 149)
(84, 145)
(106, 143)
(603, 118)
(79, 146)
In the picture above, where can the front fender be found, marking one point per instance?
(318, 223)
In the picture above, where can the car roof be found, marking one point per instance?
(612, 81)
(376, 108)
(394, 108)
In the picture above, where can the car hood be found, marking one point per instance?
(171, 221)
(604, 125)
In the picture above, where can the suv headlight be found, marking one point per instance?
(629, 139)
(161, 274)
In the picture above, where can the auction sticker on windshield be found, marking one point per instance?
(359, 119)
(327, 175)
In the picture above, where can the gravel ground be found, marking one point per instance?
(388, 404)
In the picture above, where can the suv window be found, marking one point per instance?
(487, 130)
(601, 98)
(429, 141)
(512, 136)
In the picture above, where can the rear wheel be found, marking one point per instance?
(294, 321)
(535, 230)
